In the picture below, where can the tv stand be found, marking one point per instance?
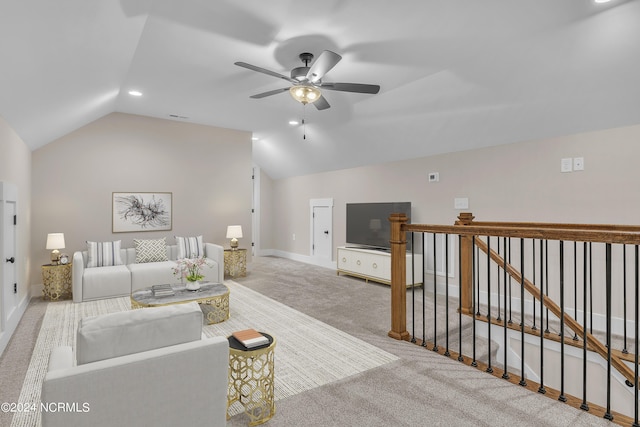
(375, 265)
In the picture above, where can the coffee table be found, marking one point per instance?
(212, 297)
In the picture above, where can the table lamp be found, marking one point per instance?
(234, 232)
(55, 241)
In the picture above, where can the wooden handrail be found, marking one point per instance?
(592, 341)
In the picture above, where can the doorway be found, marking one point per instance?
(8, 252)
(321, 229)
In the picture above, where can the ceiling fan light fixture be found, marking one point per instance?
(305, 94)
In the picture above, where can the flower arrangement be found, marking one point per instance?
(190, 268)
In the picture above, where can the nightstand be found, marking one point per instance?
(57, 282)
(235, 262)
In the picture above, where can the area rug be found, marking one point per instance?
(308, 354)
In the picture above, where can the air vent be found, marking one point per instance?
(175, 116)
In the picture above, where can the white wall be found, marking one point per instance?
(516, 182)
(15, 167)
(207, 169)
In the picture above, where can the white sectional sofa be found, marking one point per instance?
(149, 367)
(120, 280)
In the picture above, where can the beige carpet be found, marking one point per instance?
(309, 353)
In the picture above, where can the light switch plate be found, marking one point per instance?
(566, 165)
(461, 203)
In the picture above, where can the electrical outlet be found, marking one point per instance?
(578, 163)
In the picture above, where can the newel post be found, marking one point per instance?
(398, 277)
(466, 264)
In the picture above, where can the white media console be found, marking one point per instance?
(375, 265)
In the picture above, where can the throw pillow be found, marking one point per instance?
(151, 250)
(103, 254)
(190, 247)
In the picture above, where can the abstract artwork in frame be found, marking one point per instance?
(141, 212)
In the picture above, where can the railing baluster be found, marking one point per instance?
(575, 286)
(505, 374)
(424, 291)
(637, 349)
(473, 299)
(489, 367)
(413, 291)
(562, 397)
(541, 389)
(523, 381)
(546, 273)
(477, 271)
(533, 269)
(590, 287)
(608, 414)
(624, 296)
(585, 404)
(510, 299)
(446, 293)
(435, 295)
(498, 276)
(460, 356)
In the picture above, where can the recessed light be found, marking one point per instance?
(293, 122)
(135, 93)
(602, 1)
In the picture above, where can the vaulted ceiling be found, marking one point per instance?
(454, 75)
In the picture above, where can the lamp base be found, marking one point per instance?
(55, 257)
(234, 244)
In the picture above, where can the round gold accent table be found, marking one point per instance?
(57, 282)
(251, 379)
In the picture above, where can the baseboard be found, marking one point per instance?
(12, 323)
(320, 262)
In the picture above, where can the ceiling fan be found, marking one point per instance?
(307, 80)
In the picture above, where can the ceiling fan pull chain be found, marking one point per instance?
(304, 123)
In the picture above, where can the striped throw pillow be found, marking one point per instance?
(103, 254)
(190, 247)
(151, 250)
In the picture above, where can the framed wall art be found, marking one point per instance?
(141, 212)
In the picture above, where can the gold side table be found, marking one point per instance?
(235, 262)
(57, 282)
(251, 380)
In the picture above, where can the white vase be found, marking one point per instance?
(193, 286)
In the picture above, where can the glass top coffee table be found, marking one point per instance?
(212, 297)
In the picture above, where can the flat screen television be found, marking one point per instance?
(368, 223)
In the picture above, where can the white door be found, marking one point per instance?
(322, 233)
(8, 252)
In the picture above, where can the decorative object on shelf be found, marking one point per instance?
(55, 241)
(234, 232)
(141, 212)
(190, 269)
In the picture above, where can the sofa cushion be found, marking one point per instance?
(102, 254)
(190, 247)
(127, 332)
(153, 250)
(106, 282)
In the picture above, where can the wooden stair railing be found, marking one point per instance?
(547, 302)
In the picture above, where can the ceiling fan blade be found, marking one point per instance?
(351, 87)
(321, 103)
(271, 92)
(265, 71)
(326, 61)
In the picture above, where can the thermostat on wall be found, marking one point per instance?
(434, 177)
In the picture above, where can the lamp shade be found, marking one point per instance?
(234, 231)
(55, 241)
(305, 94)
